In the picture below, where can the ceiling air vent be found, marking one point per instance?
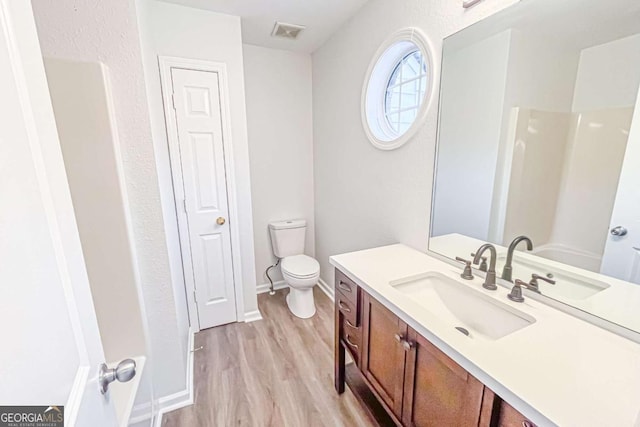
(287, 31)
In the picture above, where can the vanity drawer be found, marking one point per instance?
(348, 309)
(346, 287)
(509, 417)
(351, 337)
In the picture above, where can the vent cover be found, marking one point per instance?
(287, 31)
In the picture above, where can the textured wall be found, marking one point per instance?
(365, 197)
(280, 144)
(178, 31)
(106, 31)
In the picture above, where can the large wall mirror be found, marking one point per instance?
(539, 136)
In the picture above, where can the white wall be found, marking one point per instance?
(606, 88)
(595, 151)
(174, 30)
(365, 197)
(474, 81)
(539, 144)
(542, 74)
(608, 75)
(81, 107)
(510, 69)
(107, 32)
(279, 120)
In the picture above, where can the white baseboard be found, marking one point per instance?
(328, 290)
(280, 284)
(252, 316)
(173, 401)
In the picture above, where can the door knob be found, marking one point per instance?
(124, 372)
(619, 231)
(221, 220)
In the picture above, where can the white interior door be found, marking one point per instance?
(51, 347)
(208, 257)
(621, 257)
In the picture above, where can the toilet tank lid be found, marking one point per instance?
(291, 223)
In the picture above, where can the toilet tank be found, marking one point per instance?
(287, 237)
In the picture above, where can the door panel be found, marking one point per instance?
(621, 253)
(438, 392)
(201, 150)
(204, 160)
(213, 250)
(46, 305)
(383, 355)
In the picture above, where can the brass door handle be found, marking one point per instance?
(220, 220)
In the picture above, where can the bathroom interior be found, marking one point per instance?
(266, 192)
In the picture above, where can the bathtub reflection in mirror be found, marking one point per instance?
(539, 135)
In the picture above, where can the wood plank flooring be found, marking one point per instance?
(274, 372)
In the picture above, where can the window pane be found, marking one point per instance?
(405, 92)
(392, 101)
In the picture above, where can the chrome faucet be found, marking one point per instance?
(507, 271)
(490, 280)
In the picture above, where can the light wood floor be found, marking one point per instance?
(274, 372)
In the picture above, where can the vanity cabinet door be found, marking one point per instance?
(509, 417)
(438, 392)
(383, 356)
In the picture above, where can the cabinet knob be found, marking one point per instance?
(407, 345)
(221, 221)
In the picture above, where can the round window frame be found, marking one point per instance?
(376, 81)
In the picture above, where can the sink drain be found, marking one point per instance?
(462, 330)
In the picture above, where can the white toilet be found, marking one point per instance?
(301, 272)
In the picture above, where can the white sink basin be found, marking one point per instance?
(569, 286)
(471, 312)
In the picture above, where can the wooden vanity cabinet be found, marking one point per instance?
(438, 391)
(383, 357)
(412, 380)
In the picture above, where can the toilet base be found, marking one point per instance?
(301, 302)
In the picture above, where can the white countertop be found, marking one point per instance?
(557, 371)
(619, 303)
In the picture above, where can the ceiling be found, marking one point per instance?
(321, 17)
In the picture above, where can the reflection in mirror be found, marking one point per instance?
(539, 136)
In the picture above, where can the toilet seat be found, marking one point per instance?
(300, 266)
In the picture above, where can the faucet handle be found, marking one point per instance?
(467, 273)
(516, 292)
(535, 277)
(483, 264)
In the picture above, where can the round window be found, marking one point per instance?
(397, 89)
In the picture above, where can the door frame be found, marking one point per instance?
(166, 63)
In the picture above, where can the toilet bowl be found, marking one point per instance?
(301, 272)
